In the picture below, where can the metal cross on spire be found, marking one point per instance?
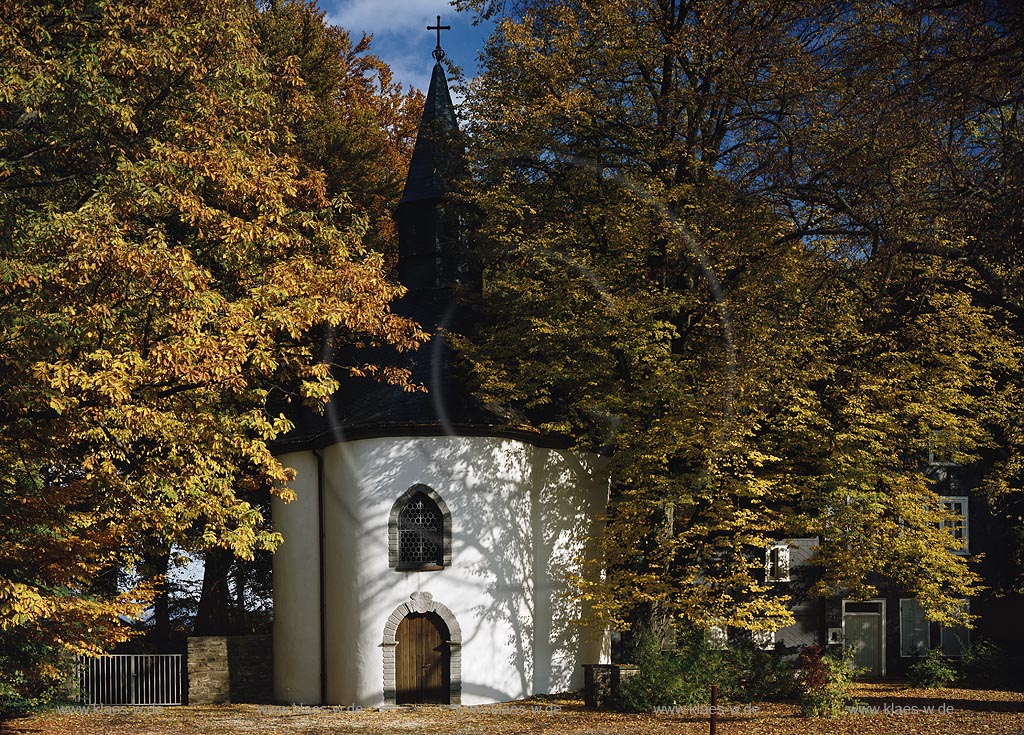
(437, 53)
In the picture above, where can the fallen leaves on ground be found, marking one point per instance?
(882, 709)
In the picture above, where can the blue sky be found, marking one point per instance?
(400, 37)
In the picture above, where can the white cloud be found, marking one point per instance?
(394, 17)
(399, 29)
(409, 70)
(400, 36)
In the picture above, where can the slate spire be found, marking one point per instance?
(431, 157)
(428, 170)
(432, 248)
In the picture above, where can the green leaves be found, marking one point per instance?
(727, 247)
(168, 259)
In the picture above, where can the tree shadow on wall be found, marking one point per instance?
(524, 517)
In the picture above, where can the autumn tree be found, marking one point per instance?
(353, 124)
(165, 257)
(904, 157)
(626, 273)
(662, 285)
(350, 118)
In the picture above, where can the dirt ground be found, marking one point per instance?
(882, 709)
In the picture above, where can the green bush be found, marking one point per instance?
(32, 675)
(931, 670)
(825, 680)
(761, 676)
(684, 676)
(680, 677)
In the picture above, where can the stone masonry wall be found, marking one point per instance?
(224, 669)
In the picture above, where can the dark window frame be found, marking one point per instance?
(444, 559)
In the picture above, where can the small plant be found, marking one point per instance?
(931, 670)
(761, 676)
(669, 678)
(825, 681)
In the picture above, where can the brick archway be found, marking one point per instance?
(422, 602)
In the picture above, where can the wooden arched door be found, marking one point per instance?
(422, 660)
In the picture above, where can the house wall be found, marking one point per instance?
(988, 535)
(521, 517)
(808, 614)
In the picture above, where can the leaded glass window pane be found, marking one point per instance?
(420, 528)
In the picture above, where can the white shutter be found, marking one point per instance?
(954, 639)
(915, 634)
(776, 564)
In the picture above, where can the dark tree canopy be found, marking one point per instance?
(766, 255)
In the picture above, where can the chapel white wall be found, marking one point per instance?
(520, 517)
(296, 575)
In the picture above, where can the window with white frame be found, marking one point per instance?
(763, 639)
(954, 639)
(915, 630)
(776, 563)
(958, 526)
(717, 637)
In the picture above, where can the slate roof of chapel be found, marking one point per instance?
(365, 408)
(425, 180)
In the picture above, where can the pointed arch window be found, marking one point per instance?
(420, 531)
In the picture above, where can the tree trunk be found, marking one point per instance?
(154, 564)
(214, 616)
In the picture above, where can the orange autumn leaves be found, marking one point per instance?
(173, 257)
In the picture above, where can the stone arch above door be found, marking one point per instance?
(422, 602)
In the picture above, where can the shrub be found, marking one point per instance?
(931, 670)
(761, 676)
(825, 680)
(685, 676)
(680, 677)
(32, 674)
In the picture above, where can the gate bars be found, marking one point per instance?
(131, 679)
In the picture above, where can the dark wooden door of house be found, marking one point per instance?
(422, 659)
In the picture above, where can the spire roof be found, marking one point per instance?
(428, 265)
(427, 170)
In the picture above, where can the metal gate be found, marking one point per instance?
(131, 679)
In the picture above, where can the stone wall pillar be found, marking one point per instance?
(223, 669)
(601, 683)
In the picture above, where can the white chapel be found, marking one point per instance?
(429, 554)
